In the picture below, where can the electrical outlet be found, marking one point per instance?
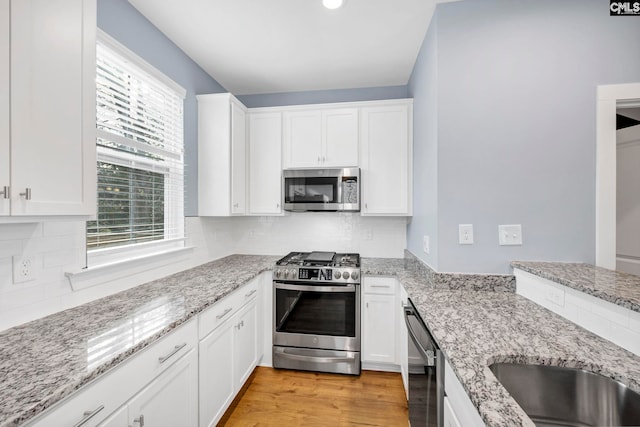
(24, 269)
(465, 234)
(425, 244)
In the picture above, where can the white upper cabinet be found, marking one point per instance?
(321, 138)
(49, 107)
(386, 159)
(222, 158)
(340, 137)
(265, 163)
(302, 145)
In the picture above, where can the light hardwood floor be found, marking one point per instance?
(274, 397)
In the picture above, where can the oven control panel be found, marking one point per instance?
(317, 274)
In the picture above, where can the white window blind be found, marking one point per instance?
(139, 153)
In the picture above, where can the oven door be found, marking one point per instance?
(317, 316)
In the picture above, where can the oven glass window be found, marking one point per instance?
(311, 190)
(317, 313)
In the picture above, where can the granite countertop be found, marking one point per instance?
(613, 286)
(477, 328)
(43, 361)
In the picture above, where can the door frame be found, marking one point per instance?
(608, 97)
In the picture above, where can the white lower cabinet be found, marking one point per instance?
(166, 370)
(118, 419)
(228, 355)
(461, 411)
(178, 380)
(379, 320)
(449, 416)
(169, 400)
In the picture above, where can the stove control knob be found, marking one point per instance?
(354, 275)
(287, 273)
(337, 274)
(277, 274)
(345, 275)
(294, 273)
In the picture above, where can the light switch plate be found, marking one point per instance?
(510, 235)
(465, 234)
(425, 244)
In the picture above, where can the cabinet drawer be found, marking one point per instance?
(107, 393)
(224, 309)
(379, 285)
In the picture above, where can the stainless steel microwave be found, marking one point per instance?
(322, 189)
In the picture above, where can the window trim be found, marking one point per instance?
(102, 257)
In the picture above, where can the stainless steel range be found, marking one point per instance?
(316, 305)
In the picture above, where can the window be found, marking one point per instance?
(140, 158)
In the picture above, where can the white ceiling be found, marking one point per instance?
(267, 46)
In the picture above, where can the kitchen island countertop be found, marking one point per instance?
(43, 361)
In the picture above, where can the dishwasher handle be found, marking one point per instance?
(428, 355)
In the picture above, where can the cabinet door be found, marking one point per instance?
(449, 416)
(378, 329)
(302, 145)
(53, 107)
(340, 137)
(120, 418)
(5, 178)
(265, 160)
(216, 374)
(238, 160)
(171, 399)
(246, 343)
(385, 160)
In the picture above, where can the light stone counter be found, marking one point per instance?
(43, 361)
(476, 320)
(479, 320)
(613, 286)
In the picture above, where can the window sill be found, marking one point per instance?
(100, 274)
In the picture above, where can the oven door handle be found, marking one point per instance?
(283, 353)
(311, 288)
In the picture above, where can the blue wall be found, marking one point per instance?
(324, 96)
(516, 107)
(124, 23)
(423, 87)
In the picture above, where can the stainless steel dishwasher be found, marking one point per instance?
(426, 376)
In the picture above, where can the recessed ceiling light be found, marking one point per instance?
(332, 4)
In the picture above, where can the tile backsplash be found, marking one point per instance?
(58, 246)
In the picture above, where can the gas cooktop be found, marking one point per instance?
(328, 259)
(327, 267)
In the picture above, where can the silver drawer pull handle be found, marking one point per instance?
(26, 194)
(380, 286)
(140, 420)
(176, 349)
(251, 293)
(224, 313)
(6, 192)
(88, 415)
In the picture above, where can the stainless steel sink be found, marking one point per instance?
(556, 396)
